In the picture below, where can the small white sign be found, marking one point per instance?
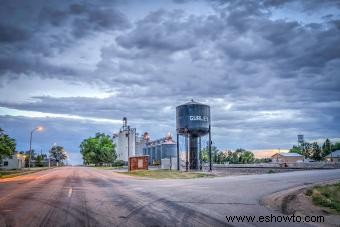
(140, 163)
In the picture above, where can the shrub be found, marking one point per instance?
(326, 196)
(118, 163)
(309, 192)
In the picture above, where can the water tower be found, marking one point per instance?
(193, 122)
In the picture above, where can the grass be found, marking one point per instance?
(166, 174)
(14, 173)
(326, 196)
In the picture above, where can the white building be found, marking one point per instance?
(127, 141)
(16, 161)
(125, 144)
(287, 158)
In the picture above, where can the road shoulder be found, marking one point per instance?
(19, 175)
(294, 201)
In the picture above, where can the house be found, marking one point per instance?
(334, 156)
(287, 158)
(16, 161)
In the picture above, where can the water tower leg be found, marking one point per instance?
(193, 153)
(187, 153)
(177, 151)
(210, 164)
(199, 158)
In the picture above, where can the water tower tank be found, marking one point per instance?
(193, 119)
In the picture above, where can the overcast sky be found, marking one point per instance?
(269, 69)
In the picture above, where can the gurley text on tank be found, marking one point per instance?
(198, 118)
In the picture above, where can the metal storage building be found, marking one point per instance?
(160, 149)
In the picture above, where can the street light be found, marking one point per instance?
(38, 129)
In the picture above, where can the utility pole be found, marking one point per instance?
(30, 151)
(187, 153)
(29, 155)
(170, 163)
(200, 153)
(128, 139)
(177, 151)
(210, 164)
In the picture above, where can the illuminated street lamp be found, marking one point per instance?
(39, 129)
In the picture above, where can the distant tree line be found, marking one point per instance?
(239, 156)
(99, 150)
(37, 158)
(314, 151)
(56, 154)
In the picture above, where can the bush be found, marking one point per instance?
(118, 163)
(309, 192)
(326, 196)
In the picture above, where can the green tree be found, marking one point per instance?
(240, 156)
(296, 149)
(27, 155)
(307, 150)
(58, 153)
(246, 157)
(235, 156)
(263, 160)
(229, 156)
(316, 153)
(214, 152)
(98, 150)
(39, 160)
(326, 147)
(7, 145)
(205, 154)
(222, 157)
(336, 146)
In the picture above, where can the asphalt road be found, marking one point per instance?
(79, 196)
